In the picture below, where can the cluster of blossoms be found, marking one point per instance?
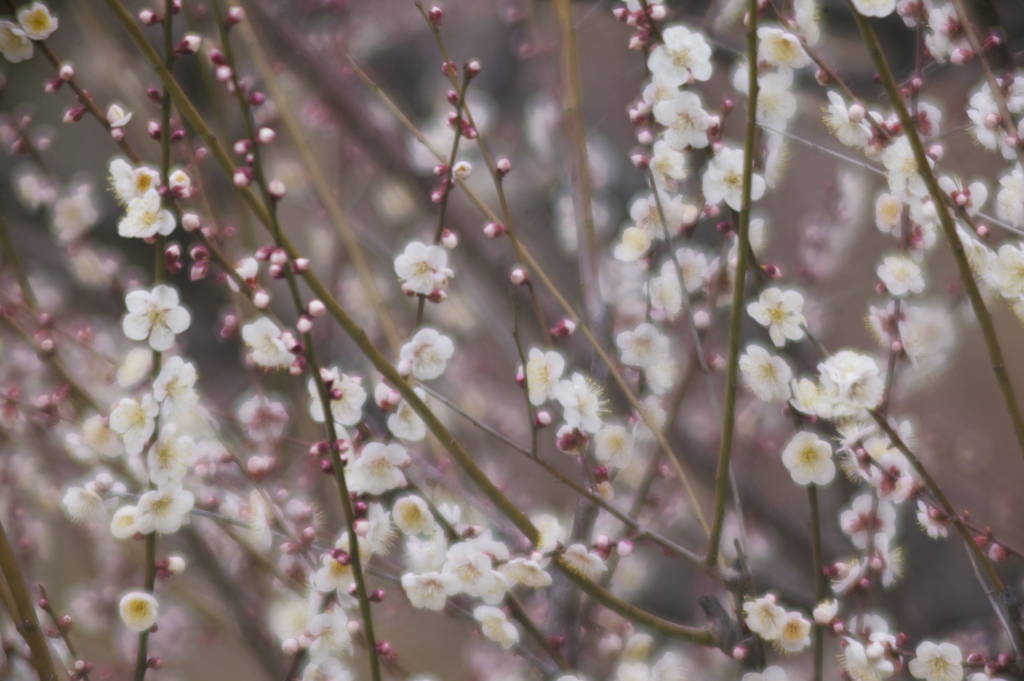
(356, 488)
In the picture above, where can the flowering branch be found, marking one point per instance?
(948, 228)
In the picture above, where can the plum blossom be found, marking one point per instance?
(781, 312)
(378, 469)
(155, 315)
(145, 218)
(766, 376)
(581, 402)
(809, 460)
(426, 355)
(423, 269)
(543, 371)
(138, 610)
(723, 180)
(684, 55)
(266, 347)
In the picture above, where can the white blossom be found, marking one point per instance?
(15, 45)
(901, 275)
(430, 590)
(937, 662)
(684, 55)
(138, 610)
(809, 460)
(766, 376)
(423, 269)
(378, 469)
(135, 422)
(426, 355)
(347, 397)
(723, 180)
(495, 625)
(781, 312)
(266, 349)
(145, 218)
(164, 509)
(543, 371)
(875, 8)
(581, 402)
(36, 21)
(155, 315)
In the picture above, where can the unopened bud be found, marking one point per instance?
(149, 18)
(276, 189)
(449, 239)
(235, 15)
(518, 276)
(261, 299)
(495, 230)
(473, 68)
(191, 222)
(564, 328)
(436, 15)
(502, 167)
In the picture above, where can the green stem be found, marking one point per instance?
(736, 314)
(24, 614)
(820, 588)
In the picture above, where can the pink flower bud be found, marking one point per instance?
(436, 15)
(66, 72)
(495, 230)
(473, 68)
(448, 239)
(644, 136)
(316, 309)
(241, 178)
(564, 328)
(261, 299)
(518, 276)
(502, 167)
(223, 73)
(640, 161)
(235, 15)
(266, 135)
(276, 189)
(304, 324)
(543, 419)
(149, 18)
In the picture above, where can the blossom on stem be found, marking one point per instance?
(146, 218)
(766, 376)
(155, 315)
(426, 355)
(266, 348)
(723, 180)
(781, 312)
(809, 460)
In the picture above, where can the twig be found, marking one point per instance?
(743, 247)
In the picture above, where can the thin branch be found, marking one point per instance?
(736, 315)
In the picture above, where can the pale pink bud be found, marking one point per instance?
(241, 147)
(240, 178)
(644, 136)
(518, 276)
(495, 230)
(223, 73)
(276, 189)
(543, 419)
(503, 166)
(436, 15)
(149, 17)
(473, 68)
(266, 135)
(304, 324)
(261, 299)
(935, 152)
(235, 15)
(300, 265)
(701, 319)
(462, 170)
(67, 71)
(640, 161)
(361, 527)
(191, 222)
(316, 308)
(992, 121)
(153, 129)
(961, 55)
(624, 548)
(448, 239)
(290, 646)
(739, 653)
